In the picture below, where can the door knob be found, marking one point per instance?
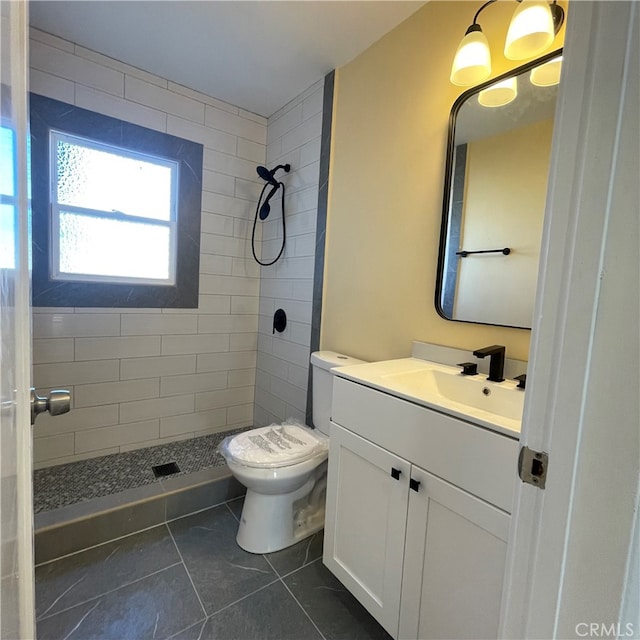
(56, 403)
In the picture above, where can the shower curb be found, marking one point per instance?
(79, 526)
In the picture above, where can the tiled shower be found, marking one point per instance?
(143, 377)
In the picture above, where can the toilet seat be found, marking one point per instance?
(274, 446)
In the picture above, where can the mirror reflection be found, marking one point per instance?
(495, 189)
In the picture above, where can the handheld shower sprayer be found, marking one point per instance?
(263, 210)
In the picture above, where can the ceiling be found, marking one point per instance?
(257, 55)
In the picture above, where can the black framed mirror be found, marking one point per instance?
(496, 175)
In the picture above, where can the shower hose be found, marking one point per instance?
(255, 221)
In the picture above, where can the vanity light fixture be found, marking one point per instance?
(533, 28)
(548, 74)
(472, 62)
(500, 93)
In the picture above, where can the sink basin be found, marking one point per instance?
(497, 406)
(472, 391)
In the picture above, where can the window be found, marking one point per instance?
(107, 200)
(8, 199)
(116, 211)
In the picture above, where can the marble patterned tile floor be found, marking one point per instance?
(189, 580)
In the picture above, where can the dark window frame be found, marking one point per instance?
(47, 114)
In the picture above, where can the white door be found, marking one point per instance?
(367, 495)
(16, 511)
(570, 569)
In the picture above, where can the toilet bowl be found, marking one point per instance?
(284, 468)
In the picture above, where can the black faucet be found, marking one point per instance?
(496, 365)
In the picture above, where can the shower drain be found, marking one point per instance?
(161, 470)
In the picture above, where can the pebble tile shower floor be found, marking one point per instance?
(66, 484)
(189, 580)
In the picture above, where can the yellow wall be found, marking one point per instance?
(391, 115)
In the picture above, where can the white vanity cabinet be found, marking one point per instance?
(412, 528)
(365, 523)
(455, 552)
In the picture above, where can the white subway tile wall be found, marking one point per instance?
(293, 136)
(141, 377)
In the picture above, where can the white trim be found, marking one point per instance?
(56, 209)
(19, 54)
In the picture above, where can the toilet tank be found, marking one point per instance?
(322, 384)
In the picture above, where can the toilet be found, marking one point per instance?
(284, 468)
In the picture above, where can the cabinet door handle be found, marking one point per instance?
(414, 484)
(395, 473)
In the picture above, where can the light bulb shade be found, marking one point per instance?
(499, 94)
(531, 30)
(547, 74)
(472, 63)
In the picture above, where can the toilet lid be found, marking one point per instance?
(274, 446)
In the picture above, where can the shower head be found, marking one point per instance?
(268, 175)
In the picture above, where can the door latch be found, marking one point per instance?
(532, 467)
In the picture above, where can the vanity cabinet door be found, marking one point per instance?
(454, 562)
(367, 495)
